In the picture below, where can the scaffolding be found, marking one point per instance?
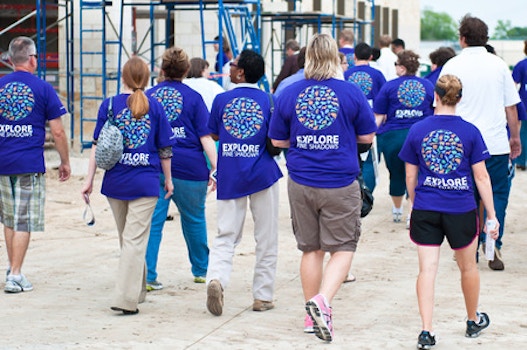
(240, 24)
(298, 24)
(103, 47)
(39, 12)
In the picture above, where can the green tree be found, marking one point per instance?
(437, 26)
(505, 30)
(500, 32)
(517, 33)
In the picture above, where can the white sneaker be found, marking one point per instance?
(17, 284)
(397, 214)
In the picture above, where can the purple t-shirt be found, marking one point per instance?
(368, 79)
(322, 119)
(434, 75)
(519, 74)
(136, 174)
(240, 118)
(445, 148)
(405, 101)
(188, 117)
(26, 104)
(349, 52)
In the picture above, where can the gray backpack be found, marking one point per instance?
(110, 143)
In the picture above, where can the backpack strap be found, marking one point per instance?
(271, 102)
(110, 112)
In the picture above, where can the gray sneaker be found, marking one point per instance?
(154, 285)
(17, 285)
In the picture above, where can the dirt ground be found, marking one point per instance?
(72, 267)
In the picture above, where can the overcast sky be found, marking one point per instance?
(490, 11)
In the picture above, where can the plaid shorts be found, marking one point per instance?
(22, 200)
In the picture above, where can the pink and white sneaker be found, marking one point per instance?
(308, 324)
(320, 311)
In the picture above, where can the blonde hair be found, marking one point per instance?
(449, 89)
(347, 36)
(135, 76)
(322, 58)
(385, 40)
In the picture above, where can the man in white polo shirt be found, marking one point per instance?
(489, 102)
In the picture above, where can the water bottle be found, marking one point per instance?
(490, 242)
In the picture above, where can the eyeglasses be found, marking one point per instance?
(233, 64)
(34, 55)
(88, 216)
(396, 64)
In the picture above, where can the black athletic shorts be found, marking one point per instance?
(430, 227)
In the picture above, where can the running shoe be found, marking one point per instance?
(474, 328)
(320, 311)
(308, 324)
(154, 285)
(426, 340)
(17, 284)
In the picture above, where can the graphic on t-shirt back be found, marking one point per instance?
(135, 131)
(16, 101)
(411, 93)
(317, 107)
(363, 80)
(442, 151)
(350, 58)
(242, 117)
(171, 100)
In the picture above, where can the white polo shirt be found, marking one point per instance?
(488, 88)
(385, 62)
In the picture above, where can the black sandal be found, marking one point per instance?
(125, 312)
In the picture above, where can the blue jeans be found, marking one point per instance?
(498, 169)
(521, 160)
(189, 197)
(368, 173)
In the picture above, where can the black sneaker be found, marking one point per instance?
(426, 340)
(473, 328)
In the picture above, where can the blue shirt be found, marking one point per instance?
(349, 52)
(444, 147)
(240, 118)
(434, 75)
(188, 117)
(519, 74)
(322, 119)
(136, 174)
(299, 75)
(26, 104)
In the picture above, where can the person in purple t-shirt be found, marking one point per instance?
(27, 103)
(438, 58)
(442, 154)
(188, 116)
(401, 103)
(321, 119)
(132, 185)
(519, 74)
(246, 173)
(346, 40)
